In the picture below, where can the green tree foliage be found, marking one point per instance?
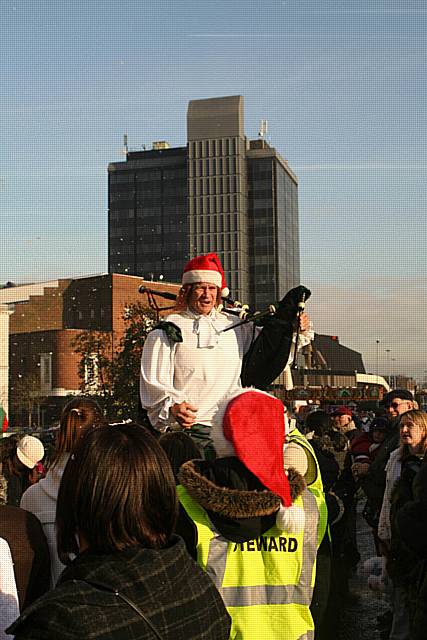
(116, 373)
(26, 399)
(95, 366)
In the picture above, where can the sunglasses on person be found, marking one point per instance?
(394, 405)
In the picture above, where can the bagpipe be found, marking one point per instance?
(270, 349)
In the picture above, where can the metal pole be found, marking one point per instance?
(389, 366)
(378, 348)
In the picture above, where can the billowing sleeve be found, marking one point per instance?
(304, 338)
(156, 388)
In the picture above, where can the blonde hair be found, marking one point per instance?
(419, 418)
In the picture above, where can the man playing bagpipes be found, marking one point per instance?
(201, 354)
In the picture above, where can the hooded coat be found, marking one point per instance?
(236, 502)
(241, 510)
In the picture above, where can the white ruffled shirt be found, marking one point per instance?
(201, 370)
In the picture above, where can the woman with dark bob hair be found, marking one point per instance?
(132, 577)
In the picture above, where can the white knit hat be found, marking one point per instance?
(30, 451)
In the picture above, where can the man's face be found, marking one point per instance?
(203, 298)
(399, 406)
(341, 421)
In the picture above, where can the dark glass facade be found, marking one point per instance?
(287, 230)
(273, 230)
(148, 222)
(220, 193)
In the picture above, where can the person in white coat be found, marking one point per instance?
(191, 362)
(40, 499)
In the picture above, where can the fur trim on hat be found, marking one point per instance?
(234, 503)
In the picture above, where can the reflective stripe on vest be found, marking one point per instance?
(226, 561)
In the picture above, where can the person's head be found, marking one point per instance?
(179, 448)
(342, 417)
(398, 401)
(18, 457)
(206, 277)
(117, 491)
(319, 422)
(413, 431)
(378, 429)
(78, 415)
(29, 451)
(203, 297)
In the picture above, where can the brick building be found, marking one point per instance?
(44, 320)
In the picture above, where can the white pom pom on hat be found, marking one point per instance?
(206, 268)
(291, 519)
(255, 424)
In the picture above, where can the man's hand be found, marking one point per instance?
(304, 322)
(184, 413)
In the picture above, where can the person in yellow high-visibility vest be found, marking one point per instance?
(253, 526)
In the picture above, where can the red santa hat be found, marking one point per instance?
(208, 269)
(254, 427)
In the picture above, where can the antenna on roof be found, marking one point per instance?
(263, 130)
(125, 144)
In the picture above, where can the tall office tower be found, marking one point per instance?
(273, 225)
(147, 217)
(217, 186)
(221, 193)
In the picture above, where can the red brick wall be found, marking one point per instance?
(40, 313)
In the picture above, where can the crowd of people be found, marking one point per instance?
(231, 518)
(377, 459)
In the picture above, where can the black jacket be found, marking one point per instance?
(166, 585)
(30, 553)
(411, 521)
(374, 483)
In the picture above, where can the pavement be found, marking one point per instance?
(359, 620)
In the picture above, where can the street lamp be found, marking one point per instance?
(378, 348)
(388, 352)
(393, 372)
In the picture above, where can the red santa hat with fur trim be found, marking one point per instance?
(207, 268)
(253, 426)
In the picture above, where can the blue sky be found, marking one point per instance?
(342, 84)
